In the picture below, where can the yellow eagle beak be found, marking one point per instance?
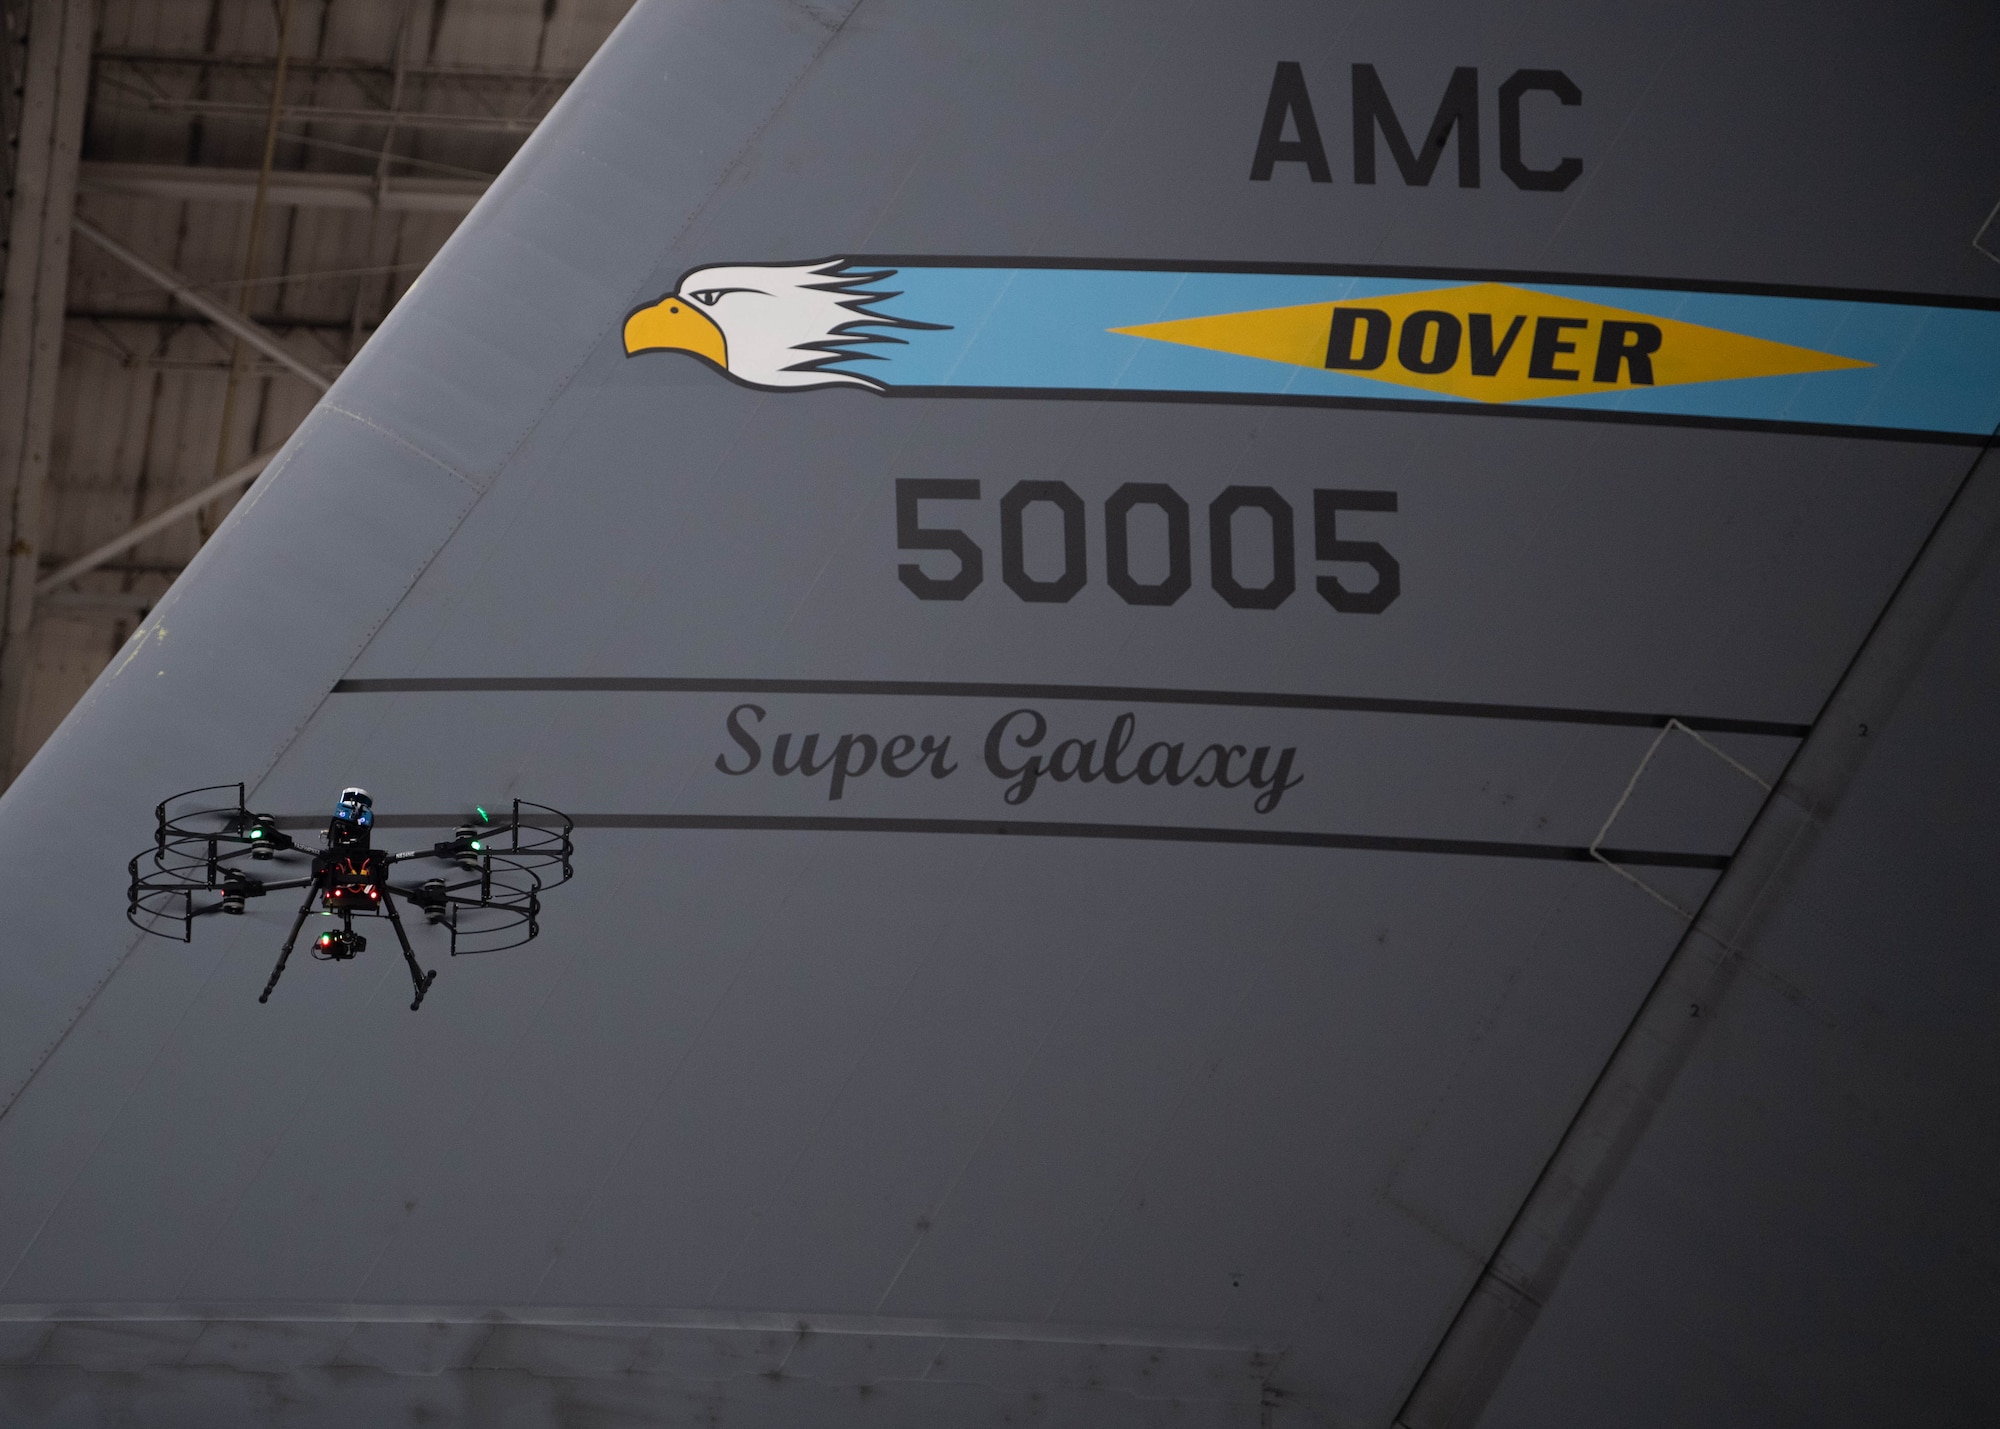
(673, 324)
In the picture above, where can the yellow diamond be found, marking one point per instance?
(1493, 342)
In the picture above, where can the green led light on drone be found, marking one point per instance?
(477, 845)
(484, 817)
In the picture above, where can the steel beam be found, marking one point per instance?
(465, 74)
(100, 603)
(190, 296)
(13, 58)
(286, 322)
(377, 118)
(177, 183)
(159, 521)
(31, 319)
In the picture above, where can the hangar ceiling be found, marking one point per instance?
(302, 185)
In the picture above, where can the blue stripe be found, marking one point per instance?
(1936, 369)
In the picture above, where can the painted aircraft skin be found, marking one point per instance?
(1931, 368)
(1150, 664)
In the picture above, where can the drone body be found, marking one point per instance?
(351, 873)
(198, 852)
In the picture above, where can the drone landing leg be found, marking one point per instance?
(305, 908)
(418, 976)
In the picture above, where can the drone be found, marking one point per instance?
(202, 854)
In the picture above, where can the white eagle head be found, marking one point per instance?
(775, 325)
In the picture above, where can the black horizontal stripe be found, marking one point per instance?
(1530, 411)
(1109, 694)
(1450, 275)
(1060, 829)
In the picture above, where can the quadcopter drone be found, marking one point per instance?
(197, 866)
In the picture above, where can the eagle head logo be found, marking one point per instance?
(773, 325)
